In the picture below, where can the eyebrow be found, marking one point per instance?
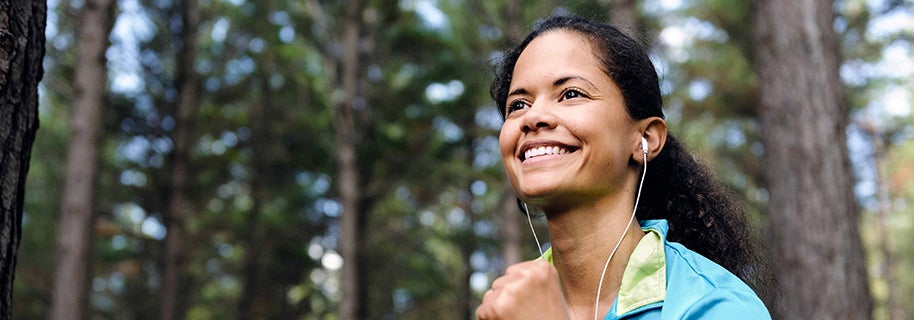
(556, 83)
(563, 80)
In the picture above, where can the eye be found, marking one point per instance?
(516, 105)
(572, 93)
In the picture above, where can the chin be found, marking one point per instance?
(534, 194)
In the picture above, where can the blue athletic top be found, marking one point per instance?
(665, 280)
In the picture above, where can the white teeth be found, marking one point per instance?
(541, 151)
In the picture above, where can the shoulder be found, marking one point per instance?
(698, 288)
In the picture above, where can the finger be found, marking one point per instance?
(484, 312)
(500, 282)
(488, 296)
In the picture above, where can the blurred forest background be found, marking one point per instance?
(217, 178)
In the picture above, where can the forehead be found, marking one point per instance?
(557, 53)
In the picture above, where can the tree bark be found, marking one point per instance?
(247, 304)
(77, 204)
(510, 230)
(813, 214)
(22, 25)
(347, 165)
(178, 206)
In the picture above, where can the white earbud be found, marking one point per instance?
(644, 145)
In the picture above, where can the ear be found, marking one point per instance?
(654, 130)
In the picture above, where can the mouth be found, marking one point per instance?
(540, 149)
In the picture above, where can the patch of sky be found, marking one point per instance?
(402, 300)
(457, 217)
(681, 33)
(735, 135)
(442, 92)
(895, 102)
(330, 208)
(699, 89)
(153, 228)
(447, 129)
(432, 17)
(861, 156)
(883, 26)
(486, 152)
(314, 184)
(134, 149)
(228, 190)
(659, 7)
(129, 213)
(238, 170)
(489, 32)
(479, 281)
(315, 251)
(51, 29)
(287, 34)
(118, 242)
(897, 60)
(280, 18)
(374, 73)
(220, 29)
(237, 69)
(133, 178)
(478, 187)
(488, 117)
(131, 27)
(427, 218)
(332, 260)
(225, 250)
(484, 228)
(256, 45)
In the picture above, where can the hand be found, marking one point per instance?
(528, 290)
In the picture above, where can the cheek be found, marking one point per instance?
(507, 142)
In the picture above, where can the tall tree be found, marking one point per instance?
(186, 82)
(247, 308)
(22, 24)
(347, 166)
(812, 209)
(77, 204)
(510, 229)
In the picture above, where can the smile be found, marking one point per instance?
(545, 150)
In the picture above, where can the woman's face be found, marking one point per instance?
(567, 138)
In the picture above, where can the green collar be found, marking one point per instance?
(644, 280)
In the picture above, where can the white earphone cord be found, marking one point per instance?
(530, 221)
(596, 304)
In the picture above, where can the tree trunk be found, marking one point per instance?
(77, 204)
(22, 25)
(510, 230)
(812, 211)
(347, 166)
(178, 207)
(247, 306)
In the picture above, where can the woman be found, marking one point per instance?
(583, 121)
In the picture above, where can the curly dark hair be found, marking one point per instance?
(703, 215)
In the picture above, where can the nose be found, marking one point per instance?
(539, 116)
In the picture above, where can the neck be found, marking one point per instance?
(582, 239)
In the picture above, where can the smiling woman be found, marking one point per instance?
(583, 121)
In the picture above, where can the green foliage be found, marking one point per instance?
(262, 176)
